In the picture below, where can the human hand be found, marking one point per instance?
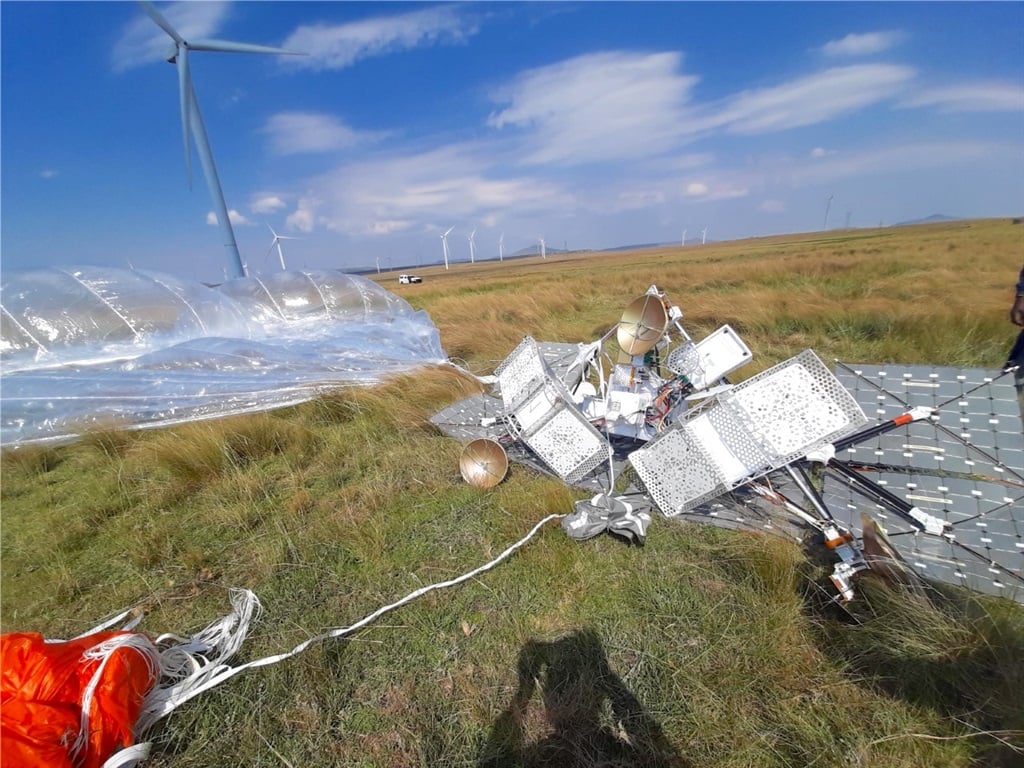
(1017, 311)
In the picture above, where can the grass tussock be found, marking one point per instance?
(704, 648)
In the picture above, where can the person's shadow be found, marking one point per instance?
(589, 717)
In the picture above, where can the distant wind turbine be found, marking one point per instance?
(543, 252)
(828, 205)
(501, 247)
(444, 244)
(277, 242)
(192, 119)
(472, 247)
(684, 239)
(703, 235)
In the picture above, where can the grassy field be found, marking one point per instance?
(702, 648)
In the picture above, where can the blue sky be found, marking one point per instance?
(592, 125)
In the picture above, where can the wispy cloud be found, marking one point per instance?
(717, 189)
(237, 219)
(598, 107)
(892, 158)
(864, 44)
(336, 46)
(293, 133)
(143, 42)
(48, 173)
(809, 100)
(388, 194)
(971, 97)
(267, 203)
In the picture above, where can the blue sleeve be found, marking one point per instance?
(1020, 283)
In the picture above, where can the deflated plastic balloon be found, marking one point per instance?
(88, 347)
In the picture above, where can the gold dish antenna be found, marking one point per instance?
(642, 325)
(483, 463)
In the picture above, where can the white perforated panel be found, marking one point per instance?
(568, 444)
(677, 472)
(520, 373)
(760, 425)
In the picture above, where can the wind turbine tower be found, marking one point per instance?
(703, 235)
(501, 247)
(444, 244)
(192, 120)
(828, 205)
(472, 247)
(277, 242)
(543, 252)
(684, 239)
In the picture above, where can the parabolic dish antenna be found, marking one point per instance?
(483, 463)
(643, 323)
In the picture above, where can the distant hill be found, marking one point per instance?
(533, 250)
(927, 220)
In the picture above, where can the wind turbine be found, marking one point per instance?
(703, 235)
(277, 241)
(472, 248)
(543, 253)
(828, 205)
(191, 119)
(444, 244)
(501, 247)
(684, 239)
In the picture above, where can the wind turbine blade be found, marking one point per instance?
(448, 232)
(228, 46)
(163, 23)
(185, 97)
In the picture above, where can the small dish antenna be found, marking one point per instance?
(483, 463)
(642, 324)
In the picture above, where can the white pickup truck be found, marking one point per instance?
(406, 279)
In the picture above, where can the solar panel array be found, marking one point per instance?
(965, 467)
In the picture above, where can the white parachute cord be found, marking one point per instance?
(190, 662)
(103, 652)
(128, 625)
(164, 701)
(488, 379)
(129, 756)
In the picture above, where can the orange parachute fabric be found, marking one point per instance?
(71, 703)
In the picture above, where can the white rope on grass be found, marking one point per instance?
(162, 701)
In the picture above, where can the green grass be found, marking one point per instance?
(703, 648)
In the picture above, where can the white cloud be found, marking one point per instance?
(341, 45)
(972, 97)
(303, 218)
(449, 184)
(896, 158)
(818, 152)
(237, 219)
(861, 44)
(293, 133)
(639, 199)
(812, 99)
(697, 189)
(598, 107)
(772, 206)
(143, 42)
(48, 173)
(267, 203)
